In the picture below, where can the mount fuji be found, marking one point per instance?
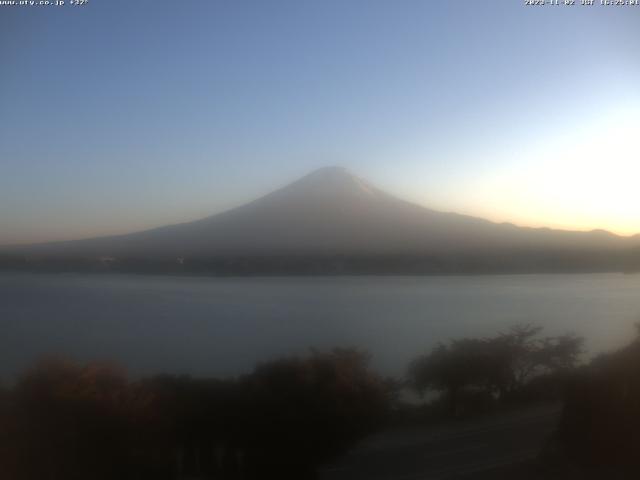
(332, 220)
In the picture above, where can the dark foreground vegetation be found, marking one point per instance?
(516, 366)
(600, 426)
(65, 421)
(598, 435)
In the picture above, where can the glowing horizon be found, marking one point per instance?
(585, 180)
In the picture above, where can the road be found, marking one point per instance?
(450, 451)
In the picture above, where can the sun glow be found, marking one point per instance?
(585, 179)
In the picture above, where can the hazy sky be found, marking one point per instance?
(123, 115)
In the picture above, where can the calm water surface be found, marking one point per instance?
(223, 326)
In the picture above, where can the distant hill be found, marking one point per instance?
(332, 221)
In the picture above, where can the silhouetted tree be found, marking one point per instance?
(451, 368)
(304, 410)
(520, 355)
(500, 366)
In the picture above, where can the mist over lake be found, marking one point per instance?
(223, 326)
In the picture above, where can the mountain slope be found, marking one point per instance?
(333, 212)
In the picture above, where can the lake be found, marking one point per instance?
(223, 326)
